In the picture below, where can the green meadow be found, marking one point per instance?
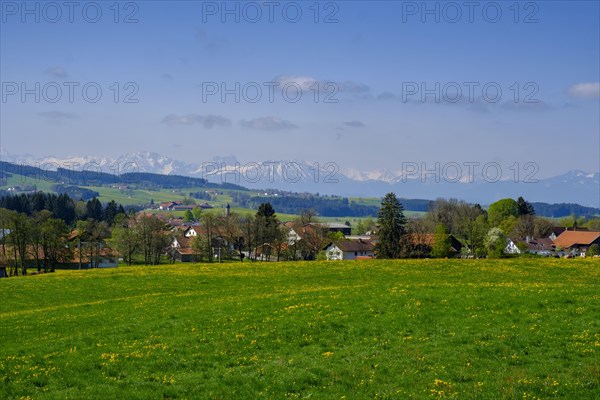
(402, 329)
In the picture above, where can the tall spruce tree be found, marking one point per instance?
(525, 207)
(267, 228)
(390, 227)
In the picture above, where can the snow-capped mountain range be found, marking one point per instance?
(302, 176)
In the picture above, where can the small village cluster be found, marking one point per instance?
(158, 235)
(561, 243)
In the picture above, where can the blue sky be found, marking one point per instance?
(371, 53)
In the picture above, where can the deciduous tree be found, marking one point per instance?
(441, 242)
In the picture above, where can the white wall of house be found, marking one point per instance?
(191, 232)
(292, 237)
(511, 248)
(335, 253)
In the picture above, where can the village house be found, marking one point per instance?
(576, 242)
(424, 242)
(337, 227)
(539, 246)
(181, 249)
(293, 237)
(168, 205)
(92, 255)
(86, 254)
(511, 247)
(296, 231)
(556, 231)
(350, 249)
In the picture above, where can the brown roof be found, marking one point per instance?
(539, 244)
(301, 230)
(185, 250)
(427, 239)
(184, 242)
(183, 207)
(354, 245)
(105, 252)
(569, 238)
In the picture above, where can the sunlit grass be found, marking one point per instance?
(462, 329)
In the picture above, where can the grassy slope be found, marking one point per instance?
(376, 329)
(135, 197)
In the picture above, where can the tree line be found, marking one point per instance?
(35, 230)
(43, 230)
(62, 206)
(483, 233)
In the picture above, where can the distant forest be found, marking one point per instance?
(564, 210)
(98, 178)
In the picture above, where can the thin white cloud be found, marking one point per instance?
(57, 72)
(268, 124)
(208, 121)
(585, 90)
(354, 124)
(305, 83)
(308, 83)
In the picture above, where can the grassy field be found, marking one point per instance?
(464, 329)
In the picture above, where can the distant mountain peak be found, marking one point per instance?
(574, 186)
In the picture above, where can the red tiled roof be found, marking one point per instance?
(569, 238)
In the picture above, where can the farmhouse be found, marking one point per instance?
(349, 249)
(105, 257)
(511, 247)
(337, 227)
(91, 255)
(293, 236)
(577, 242)
(181, 249)
(556, 231)
(424, 242)
(168, 205)
(183, 207)
(540, 246)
